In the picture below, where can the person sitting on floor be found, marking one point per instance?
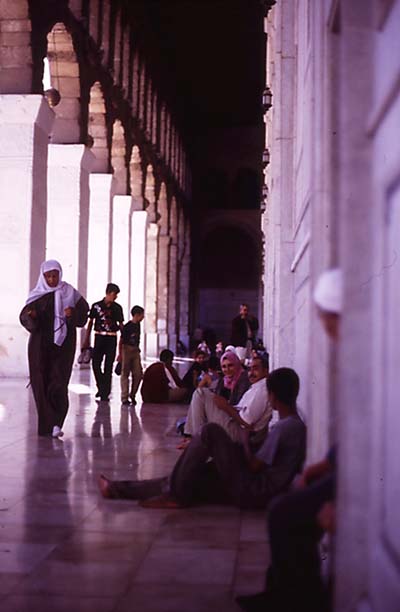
(251, 411)
(161, 382)
(235, 475)
(191, 378)
(296, 520)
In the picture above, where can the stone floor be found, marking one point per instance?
(63, 548)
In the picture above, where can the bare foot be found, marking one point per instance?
(105, 487)
(162, 501)
(184, 444)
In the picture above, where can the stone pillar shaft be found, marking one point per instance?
(68, 210)
(99, 252)
(151, 291)
(25, 124)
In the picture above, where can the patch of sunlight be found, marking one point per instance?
(79, 389)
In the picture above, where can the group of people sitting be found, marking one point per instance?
(233, 456)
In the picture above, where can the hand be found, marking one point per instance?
(32, 313)
(326, 517)
(68, 312)
(119, 357)
(220, 402)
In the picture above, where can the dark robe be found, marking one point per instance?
(50, 365)
(155, 384)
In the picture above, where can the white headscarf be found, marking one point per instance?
(65, 296)
(328, 292)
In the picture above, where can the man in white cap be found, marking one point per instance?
(296, 521)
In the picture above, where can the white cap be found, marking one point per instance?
(328, 292)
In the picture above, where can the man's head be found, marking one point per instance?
(244, 310)
(283, 387)
(137, 313)
(167, 357)
(112, 291)
(200, 356)
(328, 296)
(258, 368)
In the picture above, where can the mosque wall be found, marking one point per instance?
(333, 194)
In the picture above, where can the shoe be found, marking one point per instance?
(133, 402)
(97, 394)
(125, 402)
(57, 432)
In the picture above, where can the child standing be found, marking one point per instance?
(130, 355)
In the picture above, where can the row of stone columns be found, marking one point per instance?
(53, 207)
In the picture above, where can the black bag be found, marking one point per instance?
(118, 368)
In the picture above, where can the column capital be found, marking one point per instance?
(17, 109)
(71, 155)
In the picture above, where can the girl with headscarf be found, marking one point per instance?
(52, 312)
(232, 386)
(234, 381)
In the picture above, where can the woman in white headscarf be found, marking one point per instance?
(51, 314)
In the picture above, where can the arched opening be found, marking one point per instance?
(63, 75)
(97, 128)
(229, 273)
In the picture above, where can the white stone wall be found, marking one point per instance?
(334, 199)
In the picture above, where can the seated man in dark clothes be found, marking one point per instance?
(191, 378)
(235, 475)
(295, 524)
(161, 382)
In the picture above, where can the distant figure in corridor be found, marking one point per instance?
(244, 332)
(161, 381)
(53, 311)
(107, 318)
(129, 355)
(235, 475)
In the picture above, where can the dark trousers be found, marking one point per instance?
(294, 573)
(195, 479)
(104, 349)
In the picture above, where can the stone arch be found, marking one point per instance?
(214, 188)
(118, 158)
(64, 77)
(230, 259)
(97, 128)
(246, 189)
(229, 274)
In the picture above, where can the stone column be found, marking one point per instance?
(163, 269)
(15, 47)
(120, 249)
(139, 222)
(173, 269)
(151, 291)
(184, 292)
(68, 210)
(25, 124)
(162, 291)
(99, 252)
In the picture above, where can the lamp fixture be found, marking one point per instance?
(267, 99)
